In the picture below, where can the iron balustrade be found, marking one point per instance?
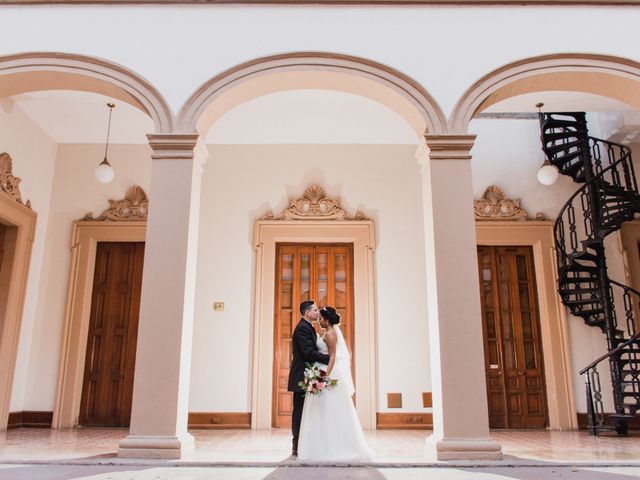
(608, 197)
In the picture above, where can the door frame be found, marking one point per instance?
(503, 375)
(23, 218)
(629, 246)
(296, 316)
(360, 233)
(84, 242)
(553, 318)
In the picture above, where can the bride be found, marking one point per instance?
(330, 430)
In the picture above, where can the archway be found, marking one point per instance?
(37, 72)
(311, 70)
(605, 75)
(602, 75)
(29, 72)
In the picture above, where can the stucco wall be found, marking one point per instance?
(33, 154)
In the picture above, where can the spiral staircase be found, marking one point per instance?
(608, 196)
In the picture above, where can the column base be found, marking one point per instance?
(155, 446)
(465, 448)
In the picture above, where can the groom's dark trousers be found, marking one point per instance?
(304, 350)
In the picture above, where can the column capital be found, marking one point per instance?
(174, 146)
(450, 147)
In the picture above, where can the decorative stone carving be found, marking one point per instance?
(9, 184)
(314, 205)
(495, 206)
(134, 207)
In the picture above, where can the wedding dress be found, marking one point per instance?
(330, 430)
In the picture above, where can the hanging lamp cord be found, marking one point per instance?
(106, 147)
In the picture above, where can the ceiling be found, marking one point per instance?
(294, 116)
(559, 101)
(81, 117)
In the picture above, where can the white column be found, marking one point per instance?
(163, 358)
(460, 415)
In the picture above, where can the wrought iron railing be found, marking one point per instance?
(608, 197)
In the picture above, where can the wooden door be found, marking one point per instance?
(320, 272)
(511, 328)
(3, 232)
(111, 345)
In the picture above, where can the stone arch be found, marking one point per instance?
(28, 72)
(317, 70)
(606, 75)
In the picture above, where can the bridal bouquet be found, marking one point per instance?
(316, 380)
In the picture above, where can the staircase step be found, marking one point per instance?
(563, 146)
(581, 303)
(618, 193)
(576, 267)
(587, 254)
(580, 291)
(622, 362)
(617, 208)
(628, 371)
(553, 122)
(630, 383)
(611, 226)
(630, 350)
(601, 324)
(567, 278)
(633, 362)
(612, 201)
(588, 295)
(573, 170)
(549, 136)
(566, 161)
(630, 397)
(571, 286)
(617, 218)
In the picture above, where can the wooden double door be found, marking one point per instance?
(514, 368)
(111, 344)
(320, 272)
(3, 233)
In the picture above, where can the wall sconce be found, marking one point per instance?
(104, 172)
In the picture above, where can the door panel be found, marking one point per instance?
(511, 329)
(111, 343)
(3, 231)
(321, 272)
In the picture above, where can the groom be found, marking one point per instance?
(304, 350)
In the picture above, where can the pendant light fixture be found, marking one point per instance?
(548, 174)
(104, 172)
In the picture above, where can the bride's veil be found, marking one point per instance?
(342, 367)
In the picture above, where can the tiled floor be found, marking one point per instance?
(250, 447)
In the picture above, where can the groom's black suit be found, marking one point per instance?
(304, 349)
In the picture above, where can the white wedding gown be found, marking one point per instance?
(330, 430)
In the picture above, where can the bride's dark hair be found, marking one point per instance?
(330, 314)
